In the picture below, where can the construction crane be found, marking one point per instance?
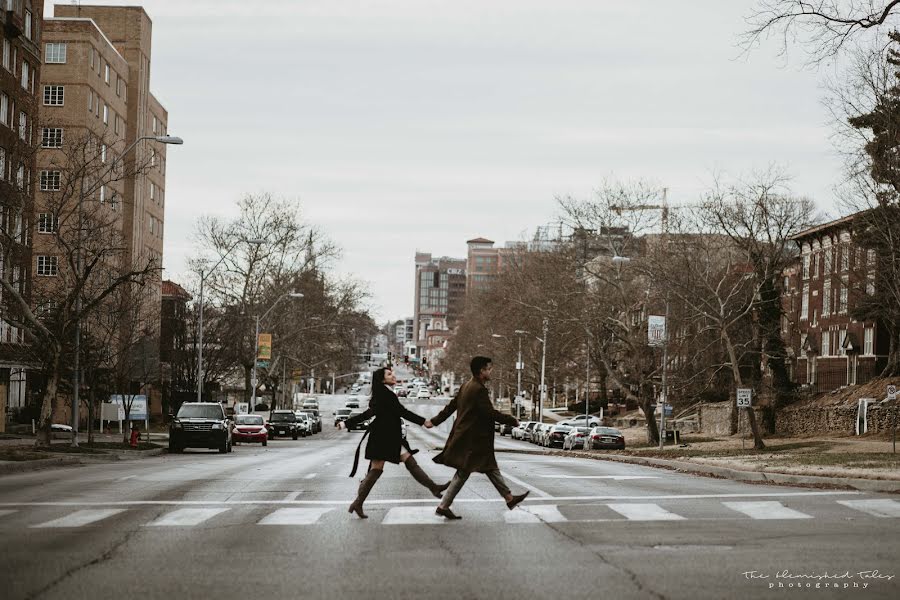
(663, 207)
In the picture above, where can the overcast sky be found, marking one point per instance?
(404, 125)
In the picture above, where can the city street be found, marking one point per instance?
(273, 522)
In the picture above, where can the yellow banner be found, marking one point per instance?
(265, 347)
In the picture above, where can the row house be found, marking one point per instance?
(827, 347)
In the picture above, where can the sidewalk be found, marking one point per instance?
(18, 454)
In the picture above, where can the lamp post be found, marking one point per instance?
(543, 370)
(256, 344)
(255, 242)
(76, 374)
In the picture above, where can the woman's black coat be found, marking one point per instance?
(384, 433)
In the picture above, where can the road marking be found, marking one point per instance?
(293, 496)
(415, 515)
(424, 501)
(295, 516)
(618, 477)
(186, 517)
(3, 513)
(645, 512)
(126, 477)
(538, 513)
(310, 476)
(81, 517)
(527, 486)
(876, 508)
(766, 510)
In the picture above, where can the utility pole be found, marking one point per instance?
(540, 417)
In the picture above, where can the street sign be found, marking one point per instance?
(137, 409)
(520, 366)
(892, 392)
(262, 364)
(265, 347)
(656, 330)
(744, 397)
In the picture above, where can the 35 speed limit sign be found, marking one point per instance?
(744, 397)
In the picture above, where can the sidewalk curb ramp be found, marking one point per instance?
(865, 485)
(25, 466)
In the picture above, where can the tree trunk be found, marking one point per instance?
(248, 395)
(736, 373)
(892, 368)
(42, 439)
(91, 415)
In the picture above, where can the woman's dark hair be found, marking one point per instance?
(378, 382)
(478, 363)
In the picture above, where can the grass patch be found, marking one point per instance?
(860, 460)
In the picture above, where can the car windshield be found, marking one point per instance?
(283, 417)
(562, 428)
(608, 431)
(200, 411)
(249, 420)
(342, 411)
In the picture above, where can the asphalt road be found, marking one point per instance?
(272, 523)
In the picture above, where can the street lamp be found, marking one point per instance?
(76, 383)
(256, 344)
(254, 242)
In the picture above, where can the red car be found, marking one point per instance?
(250, 428)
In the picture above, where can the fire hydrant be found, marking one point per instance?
(135, 436)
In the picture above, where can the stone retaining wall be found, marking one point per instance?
(832, 419)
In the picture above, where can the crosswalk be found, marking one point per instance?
(525, 514)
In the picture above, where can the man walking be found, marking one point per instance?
(470, 446)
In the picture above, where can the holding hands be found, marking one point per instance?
(428, 424)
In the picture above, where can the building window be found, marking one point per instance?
(106, 114)
(806, 266)
(152, 191)
(815, 265)
(804, 303)
(50, 181)
(2, 164)
(103, 153)
(23, 126)
(51, 137)
(55, 54)
(826, 296)
(28, 25)
(47, 266)
(7, 51)
(54, 95)
(4, 109)
(842, 339)
(845, 258)
(25, 69)
(106, 74)
(845, 285)
(869, 341)
(46, 223)
(826, 344)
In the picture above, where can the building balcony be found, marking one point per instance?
(15, 24)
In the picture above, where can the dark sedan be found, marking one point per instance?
(606, 438)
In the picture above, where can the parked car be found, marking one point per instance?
(306, 424)
(556, 435)
(518, 433)
(605, 437)
(341, 414)
(529, 431)
(200, 425)
(592, 421)
(316, 418)
(575, 438)
(506, 428)
(250, 428)
(544, 429)
(284, 422)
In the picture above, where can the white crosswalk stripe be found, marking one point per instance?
(412, 515)
(5, 512)
(186, 517)
(645, 512)
(876, 508)
(296, 516)
(80, 518)
(537, 513)
(766, 510)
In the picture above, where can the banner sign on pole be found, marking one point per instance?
(744, 397)
(656, 330)
(265, 347)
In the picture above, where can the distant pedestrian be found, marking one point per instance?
(385, 439)
(470, 446)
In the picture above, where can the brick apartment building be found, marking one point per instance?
(20, 68)
(827, 347)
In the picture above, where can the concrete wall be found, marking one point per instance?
(715, 419)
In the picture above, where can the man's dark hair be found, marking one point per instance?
(478, 363)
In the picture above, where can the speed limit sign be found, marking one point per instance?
(892, 392)
(744, 396)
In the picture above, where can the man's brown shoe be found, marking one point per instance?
(516, 499)
(446, 513)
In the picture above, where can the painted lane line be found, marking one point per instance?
(5, 512)
(416, 515)
(293, 496)
(876, 508)
(80, 518)
(295, 516)
(310, 476)
(766, 510)
(527, 486)
(186, 517)
(126, 477)
(645, 512)
(605, 497)
(617, 477)
(539, 513)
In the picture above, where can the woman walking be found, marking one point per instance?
(385, 439)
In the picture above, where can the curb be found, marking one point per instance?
(865, 485)
(24, 466)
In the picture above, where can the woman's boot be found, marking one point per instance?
(364, 488)
(422, 477)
